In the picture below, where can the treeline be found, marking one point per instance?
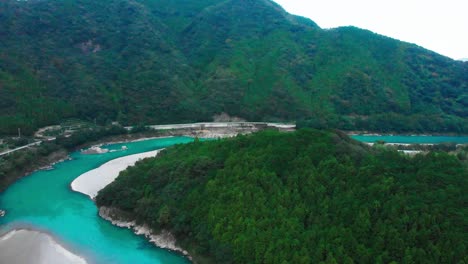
(302, 197)
(388, 123)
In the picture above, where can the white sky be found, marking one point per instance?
(438, 25)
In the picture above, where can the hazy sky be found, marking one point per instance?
(438, 25)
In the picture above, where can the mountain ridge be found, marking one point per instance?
(179, 61)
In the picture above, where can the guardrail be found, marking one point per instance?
(20, 148)
(219, 125)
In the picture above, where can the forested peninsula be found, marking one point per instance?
(303, 197)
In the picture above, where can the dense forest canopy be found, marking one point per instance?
(302, 197)
(166, 61)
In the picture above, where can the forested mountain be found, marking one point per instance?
(302, 197)
(165, 61)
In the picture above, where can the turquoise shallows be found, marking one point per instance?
(413, 139)
(44, 201)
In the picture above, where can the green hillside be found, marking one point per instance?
(166, 61)
(302, 197)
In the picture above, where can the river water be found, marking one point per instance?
(44, 201)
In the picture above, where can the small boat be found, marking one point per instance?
(2, 213)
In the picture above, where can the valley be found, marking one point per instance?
(223, 132)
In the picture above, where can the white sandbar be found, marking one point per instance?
(33, 247)
(91, 182)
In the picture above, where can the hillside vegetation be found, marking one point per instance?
(302, 197)
(171, 61)
(20, 163)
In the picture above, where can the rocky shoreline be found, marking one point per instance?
(51, 165)
(164, 239)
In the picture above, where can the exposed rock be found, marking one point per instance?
(164, 239)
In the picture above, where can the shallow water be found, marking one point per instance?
(44, 201)
(413, 139)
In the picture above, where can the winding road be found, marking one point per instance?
(20, 148)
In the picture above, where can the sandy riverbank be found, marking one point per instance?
(91, 182)
(33, 247)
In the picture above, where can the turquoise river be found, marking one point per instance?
(413, 139)
(44, 201)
